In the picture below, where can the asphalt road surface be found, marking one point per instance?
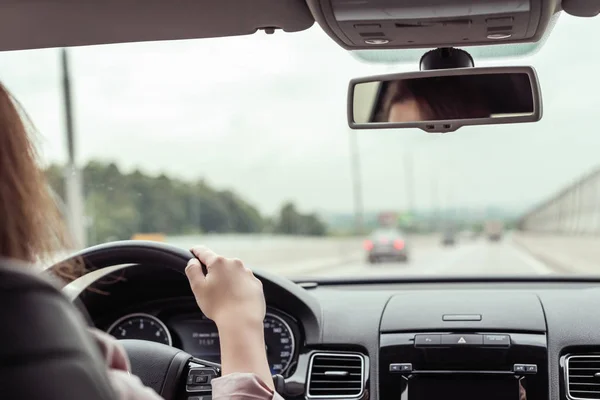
(339, 257)
(479, 257)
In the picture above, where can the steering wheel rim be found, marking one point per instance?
(171, 372)
(127, 252)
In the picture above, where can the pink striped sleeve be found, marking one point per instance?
(242, 386)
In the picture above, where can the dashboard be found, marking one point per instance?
(498, 339)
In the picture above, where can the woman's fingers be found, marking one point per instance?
(205, 255)
(193, 271)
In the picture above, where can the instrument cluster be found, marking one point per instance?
(197, 335)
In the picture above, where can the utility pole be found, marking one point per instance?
(409, 176)
(435, 203)
(450, 208)
(356, 182)
(74, 192)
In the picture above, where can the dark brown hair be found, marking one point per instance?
(439, 98)
(31, 226)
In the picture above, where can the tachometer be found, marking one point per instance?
(280, 343)
(141, 326)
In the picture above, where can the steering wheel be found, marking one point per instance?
(171, 372)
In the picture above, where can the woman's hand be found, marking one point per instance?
(233, 298)
(229, 294)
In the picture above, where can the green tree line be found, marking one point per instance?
(119, 205)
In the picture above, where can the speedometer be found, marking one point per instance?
(280, 343)
(141, 326)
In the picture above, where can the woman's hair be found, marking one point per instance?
(31, 226)
(441, 98)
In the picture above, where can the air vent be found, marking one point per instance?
(336, 375)
(583, 377)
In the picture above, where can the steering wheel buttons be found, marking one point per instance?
(199, 379)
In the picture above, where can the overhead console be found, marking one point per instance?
(467, 345)
(421, 23)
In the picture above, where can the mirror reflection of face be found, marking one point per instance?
(407, 110)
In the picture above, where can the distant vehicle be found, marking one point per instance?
(494, 230)
(386, 244)
(449, 238)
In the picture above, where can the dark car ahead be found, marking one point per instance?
(386, 244)
(449, 238)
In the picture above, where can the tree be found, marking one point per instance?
(291, 222)
(119, 205)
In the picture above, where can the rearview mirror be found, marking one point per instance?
(445, 100)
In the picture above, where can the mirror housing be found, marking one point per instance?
(446, 99)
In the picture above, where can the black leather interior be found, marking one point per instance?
(157, 365)
(45, 350)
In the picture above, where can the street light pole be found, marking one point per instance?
(74, 193)
(356, 182)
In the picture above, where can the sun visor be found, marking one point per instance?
(29, 24)
(432, 23)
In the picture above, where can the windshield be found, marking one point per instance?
(242, 144)
(385, 233)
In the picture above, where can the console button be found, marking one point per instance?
(520, 368)
(531, 368)
(496, 340)
(462, 340)
(428, 340)
(401, 367)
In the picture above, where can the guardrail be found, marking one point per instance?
(575, 210)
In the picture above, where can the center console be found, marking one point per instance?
(467, 348)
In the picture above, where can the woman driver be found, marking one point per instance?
(229, 294)
(430, 99)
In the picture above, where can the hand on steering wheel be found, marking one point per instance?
(229, 294)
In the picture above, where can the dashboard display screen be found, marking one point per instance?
(465, 388)
(199, 337)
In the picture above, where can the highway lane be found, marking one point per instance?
(479, 257)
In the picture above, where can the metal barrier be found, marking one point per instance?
(575, 210)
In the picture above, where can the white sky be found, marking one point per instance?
(266, 116)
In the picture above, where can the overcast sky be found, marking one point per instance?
(265, 115)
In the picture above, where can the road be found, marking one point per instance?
(479, 257)
(316, 257)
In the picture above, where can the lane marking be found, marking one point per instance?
(530, 260)
(450, 260)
